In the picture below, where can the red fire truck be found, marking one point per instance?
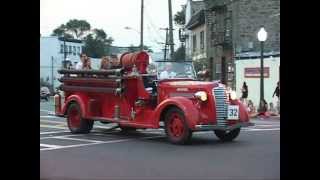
(134, 97)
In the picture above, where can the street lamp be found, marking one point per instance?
(262, 36)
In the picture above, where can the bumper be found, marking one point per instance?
(225, 128)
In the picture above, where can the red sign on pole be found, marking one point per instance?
(255, 72)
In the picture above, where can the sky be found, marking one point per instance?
(112, 16)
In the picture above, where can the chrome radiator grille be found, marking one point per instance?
(221, 105)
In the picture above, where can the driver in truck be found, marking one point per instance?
(167, 73)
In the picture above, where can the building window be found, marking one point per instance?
(218, 68)
(61, 48)
(65, 49)
(70, 49)
(194, 44)
(74, 50)
(202, 40)
(78, 50)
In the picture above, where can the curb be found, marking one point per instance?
(272, 118)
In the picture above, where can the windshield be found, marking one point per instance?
(175, 70)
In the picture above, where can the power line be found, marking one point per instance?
(155, 28)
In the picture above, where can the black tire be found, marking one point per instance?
(84, 126)
(104, 122)
(227, 136)
(185, 136)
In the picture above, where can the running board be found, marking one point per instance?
(122, 122)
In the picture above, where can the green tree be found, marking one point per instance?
(180, 53)
(74, 28)
(78, 27)
(97, 43)
(179, 17)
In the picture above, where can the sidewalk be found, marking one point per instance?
(271, 118)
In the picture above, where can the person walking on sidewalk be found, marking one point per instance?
(244, 92)
(272, 110)
(277, 93)
(263, 109)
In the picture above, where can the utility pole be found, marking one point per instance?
(166, 43)
(52, 80)
(170, 30)
(141, 29)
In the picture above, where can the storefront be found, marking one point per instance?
(248, 70)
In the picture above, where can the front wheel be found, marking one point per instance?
(75, 121)
(227, 136)
(176, 127)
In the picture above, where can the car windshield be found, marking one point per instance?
(175, 70)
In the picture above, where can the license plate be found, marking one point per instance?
(233, 112)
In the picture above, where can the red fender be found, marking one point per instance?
(243, 113)
(190, 111)
(79, 99)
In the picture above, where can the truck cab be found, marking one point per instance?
(136, 97)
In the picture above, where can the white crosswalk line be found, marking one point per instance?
(50, 146)
(52, 132)
(76, 139)
(53, 127)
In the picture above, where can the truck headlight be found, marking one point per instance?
(201, 95)
(233, 95)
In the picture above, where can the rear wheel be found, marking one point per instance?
(227, 135)
(75, 121)
(176, 127)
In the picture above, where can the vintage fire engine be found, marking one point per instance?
(133, 98)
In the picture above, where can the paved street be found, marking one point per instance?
(146, 154)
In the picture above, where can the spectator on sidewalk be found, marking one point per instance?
(251, 109)
(278, 106)
(244, 91)
(263, 109)
(277, 91)
(272, 110)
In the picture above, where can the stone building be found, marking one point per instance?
(230, 28)
(194, 19)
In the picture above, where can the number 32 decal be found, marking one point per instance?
(233, 112)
